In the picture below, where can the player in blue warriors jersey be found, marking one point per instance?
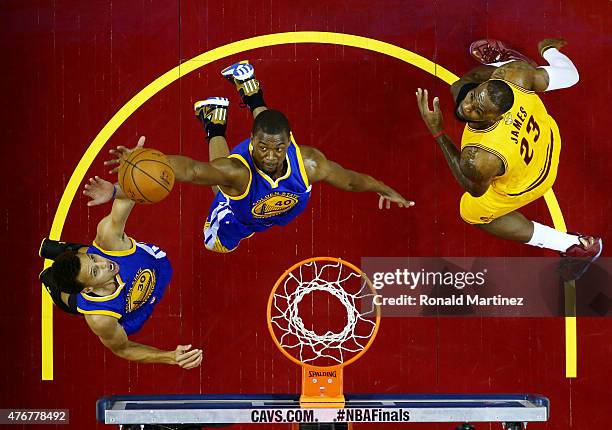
(115, 283)
(267, 179)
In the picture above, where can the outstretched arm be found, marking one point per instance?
(226, 172)
(113, 336)
(319, 168)
(473, 168)
(110, 233)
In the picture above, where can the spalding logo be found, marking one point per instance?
(274, 204)
(142, 288)
(329, 374)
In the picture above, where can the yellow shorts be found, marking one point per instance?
(494, 204)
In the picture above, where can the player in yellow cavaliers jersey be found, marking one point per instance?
(509, 149)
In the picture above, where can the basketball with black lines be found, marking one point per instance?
(146, 176)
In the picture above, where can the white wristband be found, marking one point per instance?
(561, 71)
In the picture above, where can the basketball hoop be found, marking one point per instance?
(322, 316)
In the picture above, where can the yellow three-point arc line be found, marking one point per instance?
(216, 54)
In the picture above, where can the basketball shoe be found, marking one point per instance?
(577, 258)
(488, 51)
(212, 113)
(242, 75)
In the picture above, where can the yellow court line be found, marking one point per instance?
(176, 73)
(571, 330)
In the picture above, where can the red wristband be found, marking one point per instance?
(438, 134)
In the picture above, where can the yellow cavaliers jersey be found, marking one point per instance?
(524, 139)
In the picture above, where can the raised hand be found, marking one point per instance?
(551, 43)
(99, 191)
(389, 195)
(433, 119)
(186, 357)
(120, 154)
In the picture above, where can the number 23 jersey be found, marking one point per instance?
(527, 141)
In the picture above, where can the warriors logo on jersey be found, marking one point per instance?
(142, 287)
(144, 274)
(265, 202)
(274, 204)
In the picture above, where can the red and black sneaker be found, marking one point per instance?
(578, 258)
(488, 51)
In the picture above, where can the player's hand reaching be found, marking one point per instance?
(433, 119)
(551, 43)
(99, 191)
(388, 195)
(186, 357)
(121, 153)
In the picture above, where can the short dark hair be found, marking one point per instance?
(271, 121)
(65, 270)
(501, 95)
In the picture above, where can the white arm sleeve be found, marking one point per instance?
(561, 71)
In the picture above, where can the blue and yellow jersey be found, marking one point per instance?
(526, 139)
(144, 274)
(264, 203)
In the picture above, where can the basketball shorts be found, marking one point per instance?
(222, 231)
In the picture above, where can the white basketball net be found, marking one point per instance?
(307, 345)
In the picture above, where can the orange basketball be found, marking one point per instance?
(146, 176)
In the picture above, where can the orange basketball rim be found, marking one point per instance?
(303, 297)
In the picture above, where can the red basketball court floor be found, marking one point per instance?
(70, 66)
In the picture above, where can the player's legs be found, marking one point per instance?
(512, 226)
(242, 75)
(212, 113)
(498, 215)
(217, 148)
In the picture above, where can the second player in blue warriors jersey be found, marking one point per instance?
(266, 180)
(264, 203)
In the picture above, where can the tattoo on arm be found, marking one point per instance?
(500, 73)
(467, 164)
(518, 72)
(463, 168)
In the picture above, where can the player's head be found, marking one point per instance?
(75, 271)
(487, 102)
(270, 140)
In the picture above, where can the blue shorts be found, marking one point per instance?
(222, 231)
